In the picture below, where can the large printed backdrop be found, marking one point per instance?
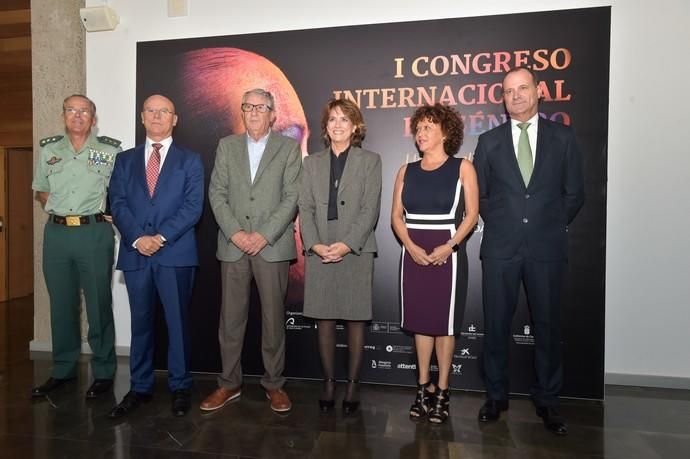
(389, 69)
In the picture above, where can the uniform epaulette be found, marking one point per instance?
(48, 140)
(109, 140)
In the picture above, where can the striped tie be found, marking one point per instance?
(153, 167)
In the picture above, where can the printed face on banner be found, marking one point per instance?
(215, 79)
(520, 95)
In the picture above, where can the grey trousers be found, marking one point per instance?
(271, 280)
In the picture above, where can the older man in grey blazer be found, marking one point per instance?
(253, 194)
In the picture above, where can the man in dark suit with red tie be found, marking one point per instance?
(526, 201)
(156, 196)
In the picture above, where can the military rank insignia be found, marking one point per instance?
(52, 139)
(109, 140)
(54, 160)
(100, 158)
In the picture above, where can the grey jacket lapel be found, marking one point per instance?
(272, 146)
(351, 168)
(240, 155)
(323, 175)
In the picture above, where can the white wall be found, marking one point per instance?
(648, 259)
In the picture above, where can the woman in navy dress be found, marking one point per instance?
(435, 208)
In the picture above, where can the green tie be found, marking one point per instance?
(524, 153)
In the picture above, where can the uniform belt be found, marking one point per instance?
(76, 220)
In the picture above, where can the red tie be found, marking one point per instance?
(153, 167)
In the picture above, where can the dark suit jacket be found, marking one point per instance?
(173, 210)
(359, 199)
(535, 216)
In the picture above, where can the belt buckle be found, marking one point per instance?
(73, 220)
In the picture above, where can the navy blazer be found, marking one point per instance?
(172, 211)
(535, 216)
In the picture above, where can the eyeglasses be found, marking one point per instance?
(160, 111)
(261, 108)
(71, 111)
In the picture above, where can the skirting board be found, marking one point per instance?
(665, 382)
(85, 348)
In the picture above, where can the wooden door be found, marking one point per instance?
(19, 224)
(4, 288)
(16, 223)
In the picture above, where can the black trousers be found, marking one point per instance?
(500, 287)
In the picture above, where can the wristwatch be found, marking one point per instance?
(452, 245)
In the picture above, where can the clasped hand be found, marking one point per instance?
(437, 257)
(249, 243)
(148, 245)
(331, 253)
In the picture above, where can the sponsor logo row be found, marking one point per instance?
(295, 322)
(387, 365)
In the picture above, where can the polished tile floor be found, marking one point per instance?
(632, 423)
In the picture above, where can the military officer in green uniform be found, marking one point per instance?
(71, 181)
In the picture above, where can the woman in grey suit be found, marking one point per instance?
(339, 205)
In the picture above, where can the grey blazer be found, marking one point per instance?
(267, 206)
(359, 200)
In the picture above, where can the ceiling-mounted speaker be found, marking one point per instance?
(99, 18)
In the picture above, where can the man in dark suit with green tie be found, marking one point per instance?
(531, 187)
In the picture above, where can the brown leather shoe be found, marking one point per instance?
(280, 402)
(219, 398)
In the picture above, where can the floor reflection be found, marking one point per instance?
(633, 422)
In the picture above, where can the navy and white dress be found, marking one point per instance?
(433, 297)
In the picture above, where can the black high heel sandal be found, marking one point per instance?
(327, 405)
(420, 407)
(350, 407)
(440, 407)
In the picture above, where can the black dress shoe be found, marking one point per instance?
(99, 386)
(553, 421)
(325, 405)
(181, 402)
(129, 403)
(350, 406)
(491, 410)
(49, 385)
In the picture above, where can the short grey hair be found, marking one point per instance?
(263, 93)
(81, 96)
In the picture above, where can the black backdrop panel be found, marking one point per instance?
(390, 69)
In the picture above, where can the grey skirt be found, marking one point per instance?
(340, 290)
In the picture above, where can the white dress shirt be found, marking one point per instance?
(256, 151)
